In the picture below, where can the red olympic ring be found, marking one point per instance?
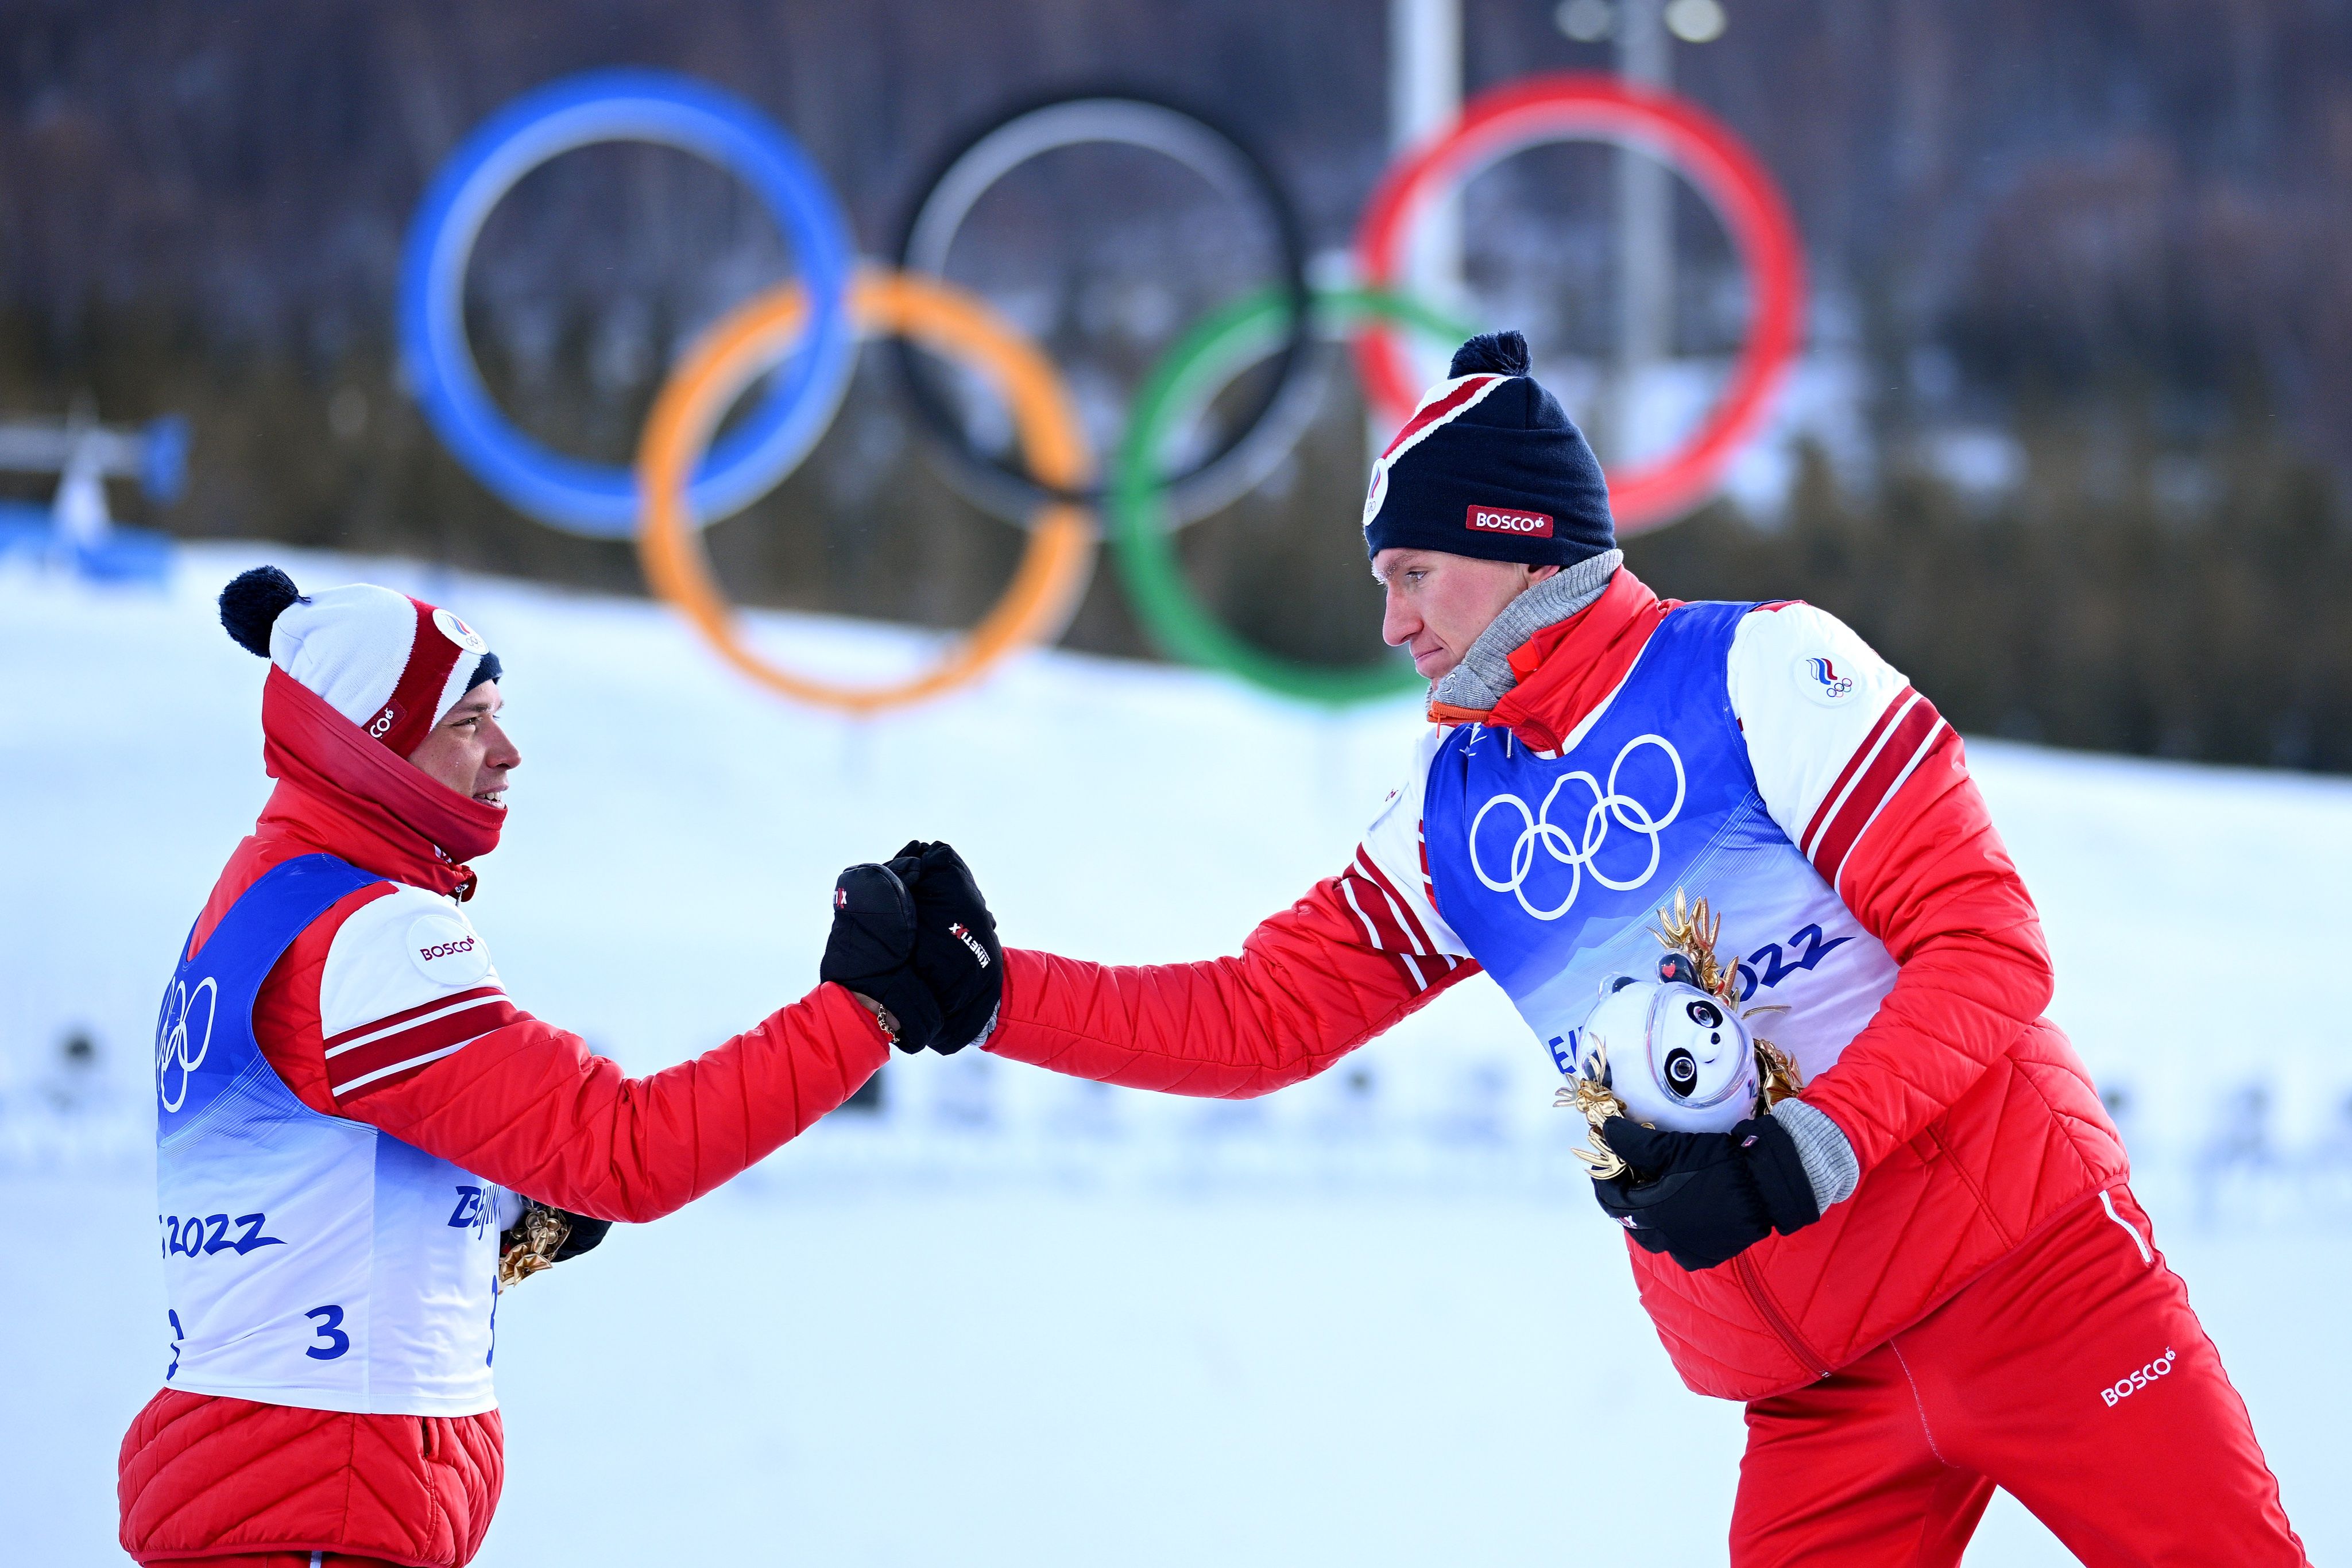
(1578, 106)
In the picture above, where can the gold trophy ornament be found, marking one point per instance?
(1675, 1051)
(532, 1244)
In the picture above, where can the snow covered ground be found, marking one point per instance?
(1011, 1317)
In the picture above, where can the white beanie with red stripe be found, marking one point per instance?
(393, 665)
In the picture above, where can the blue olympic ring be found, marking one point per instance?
(621, 106)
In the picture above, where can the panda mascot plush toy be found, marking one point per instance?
(1672, 1049)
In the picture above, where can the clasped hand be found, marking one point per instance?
(913, 938)
(1702, 1199)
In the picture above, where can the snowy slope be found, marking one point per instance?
(1016, 1318)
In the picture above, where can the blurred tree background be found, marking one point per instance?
(2103, 233)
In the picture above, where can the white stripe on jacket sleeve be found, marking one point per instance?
(1387, 882)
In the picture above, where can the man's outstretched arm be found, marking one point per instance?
(360, 1021)
(1345, 963)
(531, 1108)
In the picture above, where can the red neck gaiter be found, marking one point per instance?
(1569, 668)
(427, 826)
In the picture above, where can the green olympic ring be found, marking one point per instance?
(1220, 347)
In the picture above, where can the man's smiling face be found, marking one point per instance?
(469, 750)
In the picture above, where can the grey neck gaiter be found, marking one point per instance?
(1485, 674)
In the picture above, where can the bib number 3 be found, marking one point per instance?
(332, 1340)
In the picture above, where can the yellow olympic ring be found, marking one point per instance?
(728, 358)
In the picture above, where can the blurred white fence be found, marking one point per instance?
(1470, 1122)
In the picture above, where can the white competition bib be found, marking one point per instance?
(308, 1261)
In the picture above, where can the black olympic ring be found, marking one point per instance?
(1275, 415)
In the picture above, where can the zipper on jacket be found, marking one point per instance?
(1772, 1315)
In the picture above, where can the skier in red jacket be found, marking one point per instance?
(1925, 1274)
(350, 1107)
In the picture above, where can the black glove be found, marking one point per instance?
(871, 951)
(1702, 1199)
(957, 954)
(585, 1235)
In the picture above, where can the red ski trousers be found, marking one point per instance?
(2074, 1375)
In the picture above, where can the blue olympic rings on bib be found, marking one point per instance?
(669, 110)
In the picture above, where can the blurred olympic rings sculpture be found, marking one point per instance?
(1193, 370)
(578, 111)
(1277, 417)
(1582, 106)
(683, 479)
(1055, 570)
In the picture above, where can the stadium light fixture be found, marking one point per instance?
(1586, 21)
(1696, 21)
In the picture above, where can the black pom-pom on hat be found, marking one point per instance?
(1490, 354)
(251, 603)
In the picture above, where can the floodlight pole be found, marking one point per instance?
(1424, 99)
(1646, 237)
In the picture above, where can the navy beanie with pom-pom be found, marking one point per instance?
(1490, 466)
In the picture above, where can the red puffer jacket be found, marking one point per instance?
(525, 1104)
(1975, 1124)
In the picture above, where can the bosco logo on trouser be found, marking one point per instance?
(2126, 1386)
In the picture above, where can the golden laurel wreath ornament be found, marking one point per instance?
(1687, 1060)
(532, 1244)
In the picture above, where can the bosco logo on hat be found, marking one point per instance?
(1490, 466)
